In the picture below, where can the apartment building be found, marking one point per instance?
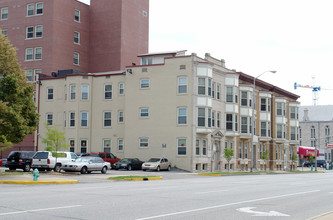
(315, 129)
(179, 106)
(52, 35)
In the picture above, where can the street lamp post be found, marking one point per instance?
(253, 118)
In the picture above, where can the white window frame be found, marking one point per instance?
(77, 15)
(144, 112)
(29, 52)
(38, 29)
(143, 142)
(121, 116)
(39, 8)
(144, 83)
(84, 119)
(107, 92)
(4, 13)
(72, 119)
(121, 88)
(181, 144)
(76, 37)
(120, 144)
(31, 9)
(30, 32)
(182, 85)
(107, 145)
(38, 52)
(106, 119)
(36, 72)
(49, 94)
(29, 75)
(181, 116)
(49, 119)
(72, 92)
(76, 58)
(84, 146)
(84, 92)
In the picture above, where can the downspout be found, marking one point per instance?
(193, 111)
(38, 109)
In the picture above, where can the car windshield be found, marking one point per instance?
(82, 159)
(125, 160)
(154, 160)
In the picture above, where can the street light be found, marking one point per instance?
(252, 118)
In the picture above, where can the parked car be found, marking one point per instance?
(128, 163)
(46, 160)
(87, 165)
(20, 160)
(157, 164)
(106, 156)
(320, 163)
(4, 162)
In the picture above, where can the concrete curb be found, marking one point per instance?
(39, 182)
(139, 179)
(207, 174)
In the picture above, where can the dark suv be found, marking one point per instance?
(20, 160)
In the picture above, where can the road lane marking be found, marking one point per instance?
(225, 205)
(39, 210)
(211, 191)
(258, 213)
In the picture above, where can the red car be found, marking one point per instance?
(106, 156)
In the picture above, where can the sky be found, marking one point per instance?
(292, 37)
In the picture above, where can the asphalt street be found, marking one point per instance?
(179, 195)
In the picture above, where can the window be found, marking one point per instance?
(143, 142)
(84, 92)
(244, 126)
(4, 13)
(39, 31)
(38, 53)
(120, 116)
(201, 117)
(72, 145)
(144, 83)
(209, 87)
(243, 98)
(76, 58)
(278, 108)
(30, 9)
(197, 147)
(213, 89)
(313, 136)
(120, 144)
(182, 85)
(218, 91)
(29, 75)
(65, 120)
(83, 146)
(39, 8)
(107, 145)
(182, 67)
(36, 72)
(121, 88)
(107, 119)
(107, 91)
(144, 112)
(84, 119)
(30, 32)
(278, 131)
(218, 119)
(213, 118)
(182, 116)
(263, 106)
(293, 112)
(293, 133)
(72, 119)
(263, 129)
(229, 122)
(76, 15)
(76, 37)
(4, 32)
(201, 86)
(29, 54)
(50, 94)
(181, 146)
(236, 122)
(204, 147)
(49, 119)
(73, 92)
(229, 94)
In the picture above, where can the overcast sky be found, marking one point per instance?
(293, 37)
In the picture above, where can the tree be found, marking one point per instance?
(294, 160)
(18, 113)
(55, 139)
(228, 154)
(264, 157)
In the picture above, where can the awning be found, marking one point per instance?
(307, 151)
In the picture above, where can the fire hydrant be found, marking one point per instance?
(35, 174)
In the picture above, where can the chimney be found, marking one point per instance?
(306, 115)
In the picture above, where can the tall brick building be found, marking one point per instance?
(52, 35)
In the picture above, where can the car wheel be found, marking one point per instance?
(88, 171)
(158, 169)
(27, 168)
(169, 168)
(143, 169)
(57, 168)
(83, 170)
(104, 169)
(116, 168)
(12, 168)
(129, 167)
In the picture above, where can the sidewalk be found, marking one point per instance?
(42, 179)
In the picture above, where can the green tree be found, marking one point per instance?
(18, 113)
(294, 160)
(264, 157)
(228, 154)
(55, 139)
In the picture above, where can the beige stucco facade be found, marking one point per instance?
(174, 106)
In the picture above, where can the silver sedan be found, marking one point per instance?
(87, 165)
